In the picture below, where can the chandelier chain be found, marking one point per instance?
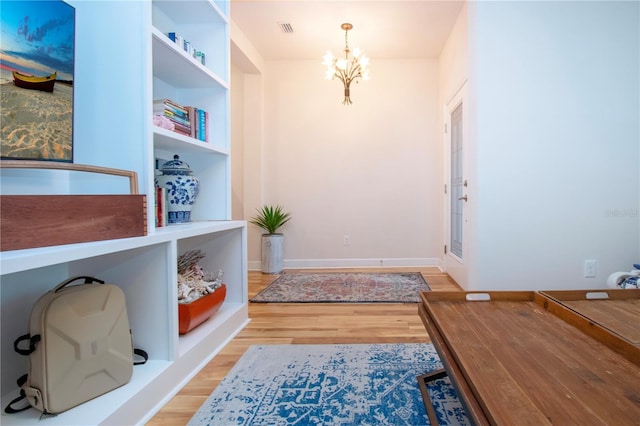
(346, 44)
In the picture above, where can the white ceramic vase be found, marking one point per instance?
(182, 189)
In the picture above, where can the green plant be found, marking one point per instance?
(270, 218)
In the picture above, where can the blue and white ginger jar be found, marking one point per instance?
(181, 188)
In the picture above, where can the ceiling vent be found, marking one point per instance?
(285, 27)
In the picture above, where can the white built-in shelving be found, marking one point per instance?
(183, 79)
(144, 267)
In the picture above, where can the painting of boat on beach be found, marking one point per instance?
(36, 80)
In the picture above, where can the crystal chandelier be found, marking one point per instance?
(347, 69)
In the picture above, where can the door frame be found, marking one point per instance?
(456, 267)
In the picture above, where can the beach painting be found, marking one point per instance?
(36, 80)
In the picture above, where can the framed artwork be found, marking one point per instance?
(36, 80)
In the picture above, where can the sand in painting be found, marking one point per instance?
(35, 124)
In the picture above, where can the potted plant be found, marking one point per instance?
(270, 219)
(200, 293)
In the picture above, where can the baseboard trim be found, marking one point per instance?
(254, 265)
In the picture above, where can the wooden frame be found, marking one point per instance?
(28, 164)
(29, 221)
(422, 384)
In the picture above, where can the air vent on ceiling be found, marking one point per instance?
(285, 27)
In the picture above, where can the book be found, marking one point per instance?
(206, 126)
(196, 132)
(184, 115)
(181, 124)
(168, 103)
(192, 119)
(178, 114)
(196, 123)
(170, 112)
(182, 121)
(182, 129)
(176, 38)
(160, 207)
(202, 125)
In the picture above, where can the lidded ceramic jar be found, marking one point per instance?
(181, 188)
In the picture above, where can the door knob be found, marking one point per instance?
(463, 198)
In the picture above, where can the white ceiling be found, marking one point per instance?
(382, 29)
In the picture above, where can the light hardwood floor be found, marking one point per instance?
(306, 323)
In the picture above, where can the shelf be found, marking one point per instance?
(175, 67)
(170, 141)
(193, 229)
(24, 260)
(98, 409)
(190, 340)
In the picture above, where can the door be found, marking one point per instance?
(456, 186)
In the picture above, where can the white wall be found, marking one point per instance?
(558, 110)
(371, 170)
(247, 136)
(453, 62)
(237, 143)
(453, 84)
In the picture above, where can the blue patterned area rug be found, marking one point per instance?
(344, 287)
(338, 385)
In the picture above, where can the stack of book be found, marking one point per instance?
(178, 115)
(188, 120)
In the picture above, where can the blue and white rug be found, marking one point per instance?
(359, 384)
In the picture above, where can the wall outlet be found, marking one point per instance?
(590, 268)
(346, 240)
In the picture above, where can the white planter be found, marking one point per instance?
(272, 246)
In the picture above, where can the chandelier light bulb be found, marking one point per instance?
(349, 68)
(328, 58)
(330, 73)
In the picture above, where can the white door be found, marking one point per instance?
(456, 185)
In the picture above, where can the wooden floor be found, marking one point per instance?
(308, 323)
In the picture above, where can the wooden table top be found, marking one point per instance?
(618, 312)
(519, 363)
